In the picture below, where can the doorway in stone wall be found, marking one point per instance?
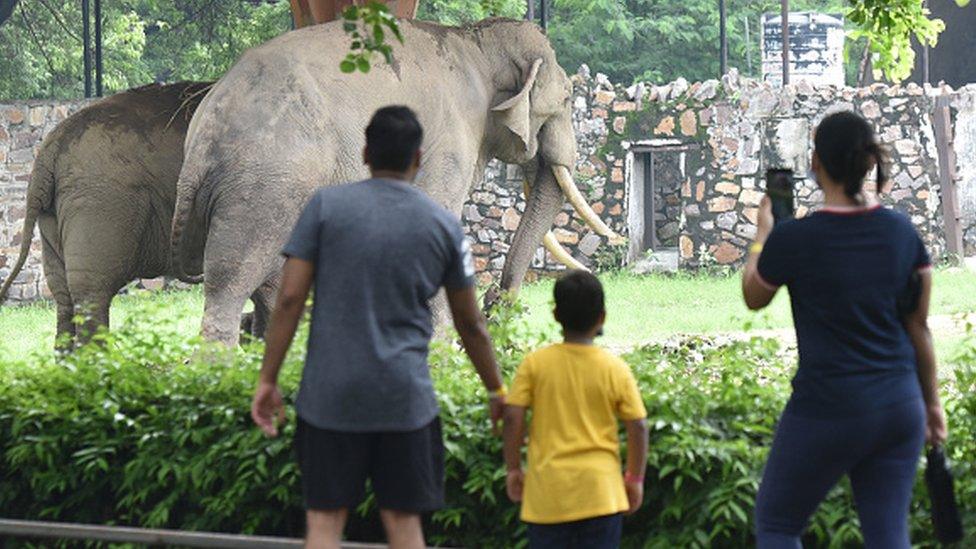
(655, 205)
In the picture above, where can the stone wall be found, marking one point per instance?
(707, 144)
(22, 128)
(714, 141)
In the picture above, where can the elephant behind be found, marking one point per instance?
(102, 192)
(284, 121)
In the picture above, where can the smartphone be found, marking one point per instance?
(779, 188)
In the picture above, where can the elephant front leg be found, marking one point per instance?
(264, 300)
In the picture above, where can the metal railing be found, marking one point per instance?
(149, 536)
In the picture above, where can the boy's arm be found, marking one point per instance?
(636, 463)
(636, 447)
(513, 436)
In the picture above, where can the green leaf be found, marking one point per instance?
(347, 66)
(363, 64)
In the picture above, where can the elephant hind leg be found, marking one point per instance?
(93, 307)
(57, 281)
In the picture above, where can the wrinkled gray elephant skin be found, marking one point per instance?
(285, 121)
(102, 191)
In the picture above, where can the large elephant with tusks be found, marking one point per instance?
(285, 121)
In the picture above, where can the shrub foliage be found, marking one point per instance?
(149, 428)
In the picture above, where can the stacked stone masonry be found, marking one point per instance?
(727, 134)
(708, 145)
(22, 129)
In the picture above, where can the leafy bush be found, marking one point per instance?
(150, 428)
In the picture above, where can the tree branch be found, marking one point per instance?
(60, 21)
(37, 42)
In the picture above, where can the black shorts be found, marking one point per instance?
(406, 468)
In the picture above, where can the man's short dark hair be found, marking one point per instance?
(579, 300)
(393, 138)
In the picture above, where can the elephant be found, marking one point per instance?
(103, 191)
(284, 121)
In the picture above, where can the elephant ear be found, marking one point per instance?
(515, 112)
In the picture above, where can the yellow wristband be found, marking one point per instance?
(498, 393)
(756, 248)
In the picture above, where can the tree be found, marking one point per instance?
(660, 40)
(167, 40)
(145, 41)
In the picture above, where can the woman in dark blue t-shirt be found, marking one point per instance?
(865, 395)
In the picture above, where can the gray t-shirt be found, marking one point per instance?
(381, 248)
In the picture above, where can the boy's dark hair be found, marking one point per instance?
(846, 146)
(393, 138)
(579, 300)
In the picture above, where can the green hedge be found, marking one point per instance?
(150, 429)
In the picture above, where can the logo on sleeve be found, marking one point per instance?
(467, 258)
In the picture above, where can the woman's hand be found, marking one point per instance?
(765, 221)
(935, 424)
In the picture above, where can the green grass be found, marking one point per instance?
(31, 328)
(639, 309)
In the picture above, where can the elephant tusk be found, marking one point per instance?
(579, 203)
(559, 253)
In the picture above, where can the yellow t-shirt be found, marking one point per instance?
(577, 394)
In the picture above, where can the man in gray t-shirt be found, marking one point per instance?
(377, 251)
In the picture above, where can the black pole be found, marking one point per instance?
(98, 48)
(543, 14)
(785, 22)
(723, 40)
(925, 56)
(745, 22)
(86, 50)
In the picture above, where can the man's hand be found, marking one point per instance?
(267, 408)
(514, 482)
(496, 410)
(936, 431)
(635, 496)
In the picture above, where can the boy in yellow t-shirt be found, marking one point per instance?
(573, 494)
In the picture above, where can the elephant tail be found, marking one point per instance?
(40, 193)
(186, 190)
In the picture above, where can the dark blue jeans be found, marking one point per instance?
(878, 451)
(594, 533)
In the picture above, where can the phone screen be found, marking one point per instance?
(779, 188)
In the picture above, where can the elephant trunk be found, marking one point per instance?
(541, 208)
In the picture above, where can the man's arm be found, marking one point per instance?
(513, 436)
(470, 325)
(917, 326)
(267, 408)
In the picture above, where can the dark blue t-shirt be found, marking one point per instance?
(381, 248)
(845, 270)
